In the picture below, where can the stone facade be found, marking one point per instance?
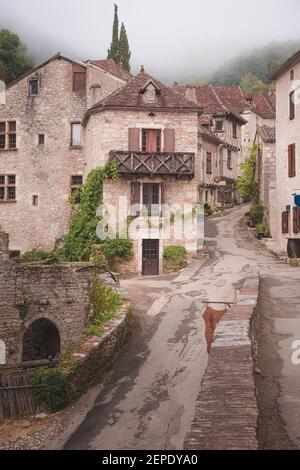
(61, 294)
(108, 131)
(287, 133)
(46, 170)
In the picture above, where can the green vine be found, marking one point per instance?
(78, 244)
(247, 183)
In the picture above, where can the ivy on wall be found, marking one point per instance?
(78, 244)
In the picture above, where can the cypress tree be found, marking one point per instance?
(113, 52)
(124, 51)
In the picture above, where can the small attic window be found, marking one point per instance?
(150, 94)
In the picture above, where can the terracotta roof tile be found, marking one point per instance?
(211, 100)
(113, 68)
(131, 96)
(268, 134)
(263, 106)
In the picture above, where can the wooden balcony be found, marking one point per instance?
(179, 164)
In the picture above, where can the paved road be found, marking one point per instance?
(148, 401)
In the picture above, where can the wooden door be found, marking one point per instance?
(150, 257)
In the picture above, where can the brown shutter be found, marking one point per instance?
(169, 140)
(290, 161)
(292, 105)
(134, 140)
(294, 160)
(296, 220)
(135, 192)
(79, 78)
(163, 199)
(285, 222)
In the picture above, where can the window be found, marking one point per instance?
(41, 139)
(15, 254)
(76, 183)
(292, 105)
(35, 200)
(234, 130)
(75, 134)
(79, 78)
(292, 161)
(229, 160)
(292, 75)
(151, 198)
(8, 135)
(219, 126)
(151, 140)
(208, 163)
(7, 188)
(34, 87)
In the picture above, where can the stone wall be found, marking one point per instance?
(287, 133)
(226, 409)
(45, 170)
(60, 293)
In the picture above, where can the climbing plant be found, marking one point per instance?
(247, 183)
(79, 242)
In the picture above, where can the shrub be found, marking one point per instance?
(208, 209)
(112, 248)
(175, 256)
(257, 214)
(106, 303)
(51, 388)
(46, 257)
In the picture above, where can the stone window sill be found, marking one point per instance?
(75, 147)
(8, 150)
(8, 202)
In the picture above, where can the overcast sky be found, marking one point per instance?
(174, 39)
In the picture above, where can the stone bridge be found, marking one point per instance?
(44, 310)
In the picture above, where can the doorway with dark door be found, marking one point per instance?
(150, 258)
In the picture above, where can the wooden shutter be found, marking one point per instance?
(292, 160)
(134, 140)
(285, 222)
(79, 78)
(135, 192)
(292, 105)
(169, 140)
(296, 220)
(162, 189)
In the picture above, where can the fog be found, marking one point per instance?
(175, 40)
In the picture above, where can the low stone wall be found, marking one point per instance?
(95, 355)
(226, 410)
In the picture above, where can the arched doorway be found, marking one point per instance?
(41, 341)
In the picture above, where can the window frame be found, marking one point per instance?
(7, 186)
(146, 133)
(234, 130)
(41, 136)
(31, 81)
(209, 165)
(219, 129)
(229, 159)
(8, 134)
(72, 145)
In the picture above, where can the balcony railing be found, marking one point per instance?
(161, 164)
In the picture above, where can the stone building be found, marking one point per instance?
(152, 133)
(266, 175)
(221, 119)
(287, 236)
(42, 146)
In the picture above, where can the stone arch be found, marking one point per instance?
(41, 340)
(2, 353)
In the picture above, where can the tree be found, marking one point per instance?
(14, 57)
(113, 52)
(124, 50)
(253, 84)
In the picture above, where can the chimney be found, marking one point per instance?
(190, 93)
